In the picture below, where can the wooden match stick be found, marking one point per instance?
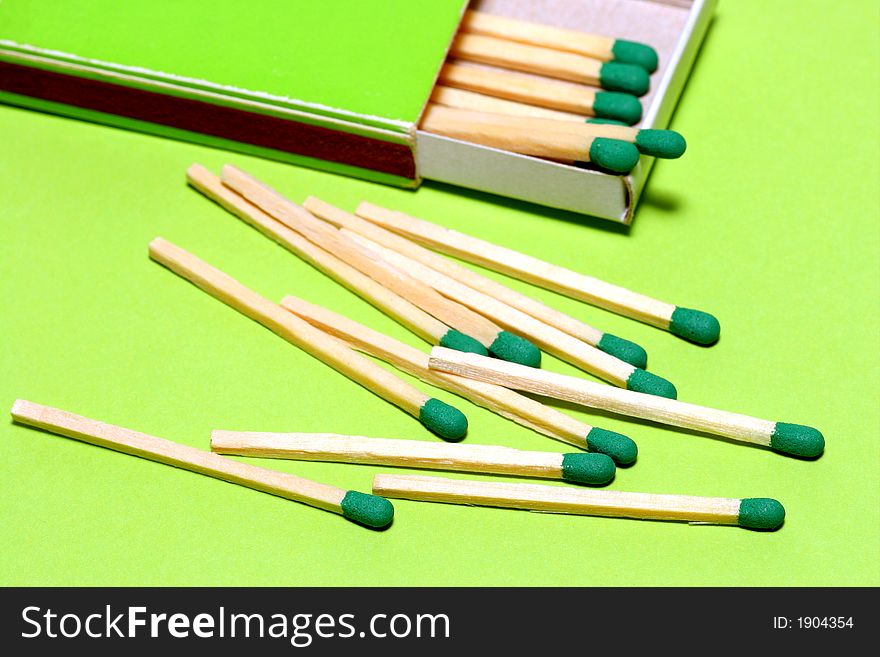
(579, 468)
(693, 325)
(794, 439)
(610, 344)
(658, 143)
(441, 418)
(557, 140)
(540, 91)
(501, 343)
(412, 317)
(613, 76)
(507, 403)
(550, 339)
(471, 100)
(597, 46)
(751, 513)
(362, 508)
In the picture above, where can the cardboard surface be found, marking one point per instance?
(675, 30)
(758, 224)
(333, 54)
(337, 86)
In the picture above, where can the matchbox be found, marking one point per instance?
(338, 86)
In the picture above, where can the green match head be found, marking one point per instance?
(628, 352)
(585, 468)
(369, 510)
(598, 121)
(620, 448)
(797, 440)
(695, 326)
(760, 513)
(614, 155)
(624, 77)
(631, 52)
(446, 421)
(613, 105)
(515, 349)
(661, 143)
(460, 342)
(650, 384)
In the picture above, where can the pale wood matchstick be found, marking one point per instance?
(590, 45)
(569, 66)
(617, 347)
(751, 513)
(693, 325)
(794, 439)
(471, 100)
(434, 414)
(509, 404)
(498, 341)
(536, 90)
(556, 140)
(424, 325)
(366, 509)
(550, 339)
(667, 144)
(580, 468)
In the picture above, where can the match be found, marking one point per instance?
(471, 100)
(555, 140)
(611, 344)
(597, 46)
(362, 508)
(573, 67)
(534, 90)
(550, 339)
(511, 405)
(577, 468)
(793, 439)
(751, 513)
(501, 343)
(692, 325)
(477, 102)
(426, 326)
(437, 416)
(666, 144)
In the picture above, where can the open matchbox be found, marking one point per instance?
(338, 86)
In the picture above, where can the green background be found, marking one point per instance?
(770, 221)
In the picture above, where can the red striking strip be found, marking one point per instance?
(218, 121)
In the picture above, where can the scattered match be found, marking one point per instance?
(576, 468)
(550, 339)
(446, 421)
(758, 513)
(422, 324)
(611, 344)
(542, 92)
(511, 405)
(362, 508)
(498, 342)
(597, 46)
(692, 325)
(792, 439)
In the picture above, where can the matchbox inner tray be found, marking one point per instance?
(337, 85)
